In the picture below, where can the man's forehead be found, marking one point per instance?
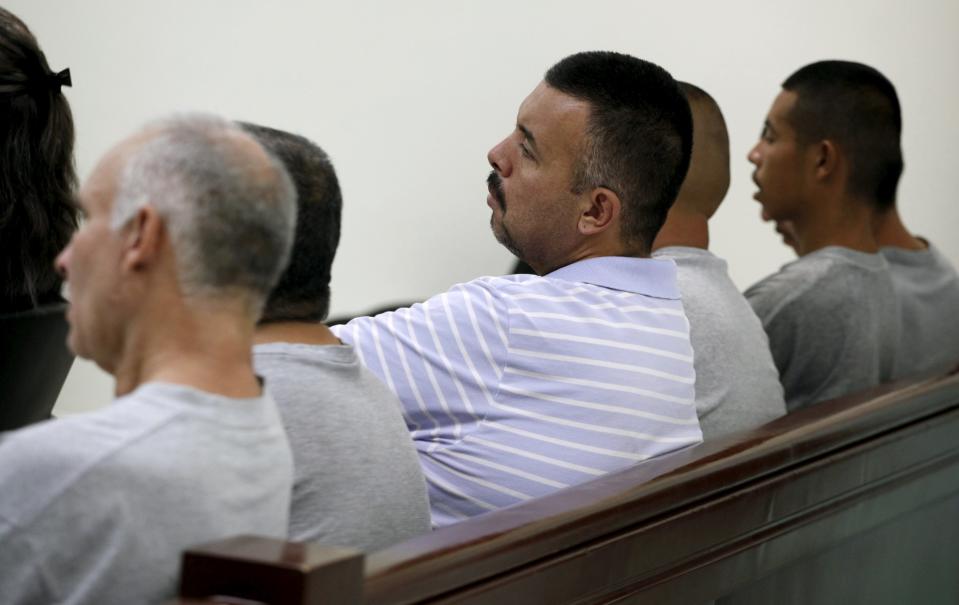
(548, 111)
(781, 108)
(101, 186)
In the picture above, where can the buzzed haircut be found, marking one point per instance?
(303, 292)
(707, 179)
(638, 139)
(857, 107)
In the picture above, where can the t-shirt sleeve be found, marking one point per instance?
(442, 358)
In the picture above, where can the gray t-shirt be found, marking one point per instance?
(737, 384)
(833, 323)
(357, 478)
(97, 508)
(928, 290)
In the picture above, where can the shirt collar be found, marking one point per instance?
(654, 277)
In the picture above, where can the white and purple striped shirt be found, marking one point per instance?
(516, 386)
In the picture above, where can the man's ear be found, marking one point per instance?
(603, 210)
(827, 159)
(143, 239)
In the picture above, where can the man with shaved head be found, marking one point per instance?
(188, 225)
(737, 384)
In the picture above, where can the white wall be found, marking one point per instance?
(408, 96)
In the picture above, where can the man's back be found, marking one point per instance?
(737, 383)
(515, 387)
(928, 290)
(97, 508)
(357, 480)
(832, 321)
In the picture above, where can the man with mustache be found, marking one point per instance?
(516, 386)
(827, 161)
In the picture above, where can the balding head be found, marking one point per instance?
(228, 206)
(708, 177)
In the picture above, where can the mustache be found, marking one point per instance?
(495, 185)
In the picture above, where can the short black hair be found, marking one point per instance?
(857, 107)
(303, 292)
(639, 135)
(38, 181)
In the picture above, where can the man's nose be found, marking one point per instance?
(753, 156)
(499, 160)
(63, 259)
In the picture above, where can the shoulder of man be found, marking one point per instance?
(50, 457)
(795, 282)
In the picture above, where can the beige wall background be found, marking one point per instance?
(407, 97)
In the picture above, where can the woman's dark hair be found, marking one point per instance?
(38, 212)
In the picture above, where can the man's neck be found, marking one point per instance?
(209, 350)
(890, 231)
(608, 244)
(683, 228)
(298, 332)
(847, 223)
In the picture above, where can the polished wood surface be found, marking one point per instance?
(264, 570)
(858, 496)
(701, 499)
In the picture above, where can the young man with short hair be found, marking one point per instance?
(825, 164)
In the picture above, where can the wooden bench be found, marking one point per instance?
(852, 501)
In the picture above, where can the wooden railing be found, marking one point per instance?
(853, 500)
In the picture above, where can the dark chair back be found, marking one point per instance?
(34, 361)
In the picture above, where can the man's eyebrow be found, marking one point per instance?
(529, 135)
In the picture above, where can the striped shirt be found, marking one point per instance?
(516, 386)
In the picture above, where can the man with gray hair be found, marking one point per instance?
(188, 225)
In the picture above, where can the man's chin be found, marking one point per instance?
(503, 237)
(73, 343)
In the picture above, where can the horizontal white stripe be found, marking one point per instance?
(622, 325)
(601, 342)
(487, 484)
(569, 444)
(654, 310)
(507, 469)
(432, 478)
(604, 407)
(440, 506)
(600, 363)
(606, 305)
(532, 456)
(549, 297)
(595, 428)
